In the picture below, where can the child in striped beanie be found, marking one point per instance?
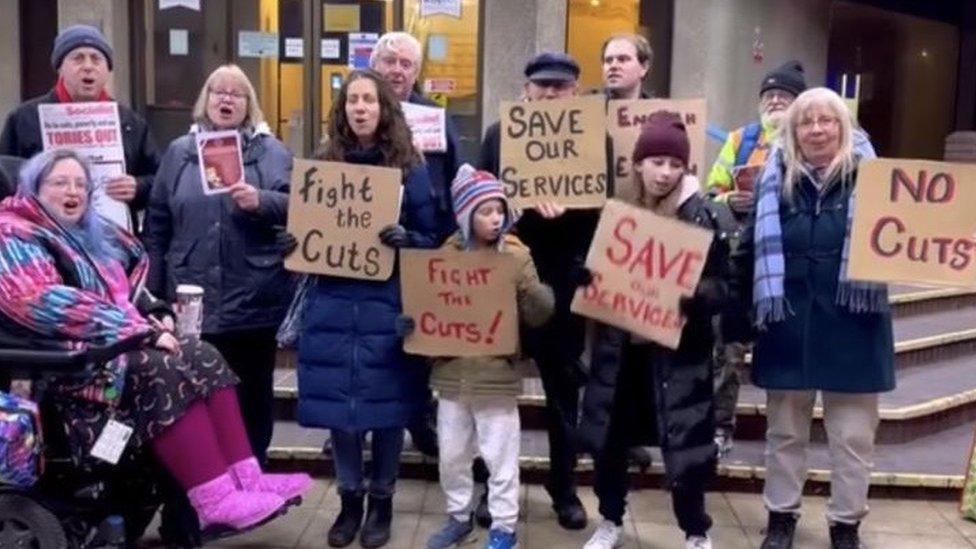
(477, 411)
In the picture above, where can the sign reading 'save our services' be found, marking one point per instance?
(336, 211)
(642, 264)
(914, 222)
(554, 151)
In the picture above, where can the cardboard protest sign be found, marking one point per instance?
(463, 302)
(93, 130)
(427, 124)
(642, 263)
(554, 151)
(914, 222)
(336, 211)
(221, 164)
(624, 120)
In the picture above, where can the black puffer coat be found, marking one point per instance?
(667, 393)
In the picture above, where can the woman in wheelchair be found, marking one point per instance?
(67, 276)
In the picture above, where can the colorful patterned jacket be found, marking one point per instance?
(53, 294)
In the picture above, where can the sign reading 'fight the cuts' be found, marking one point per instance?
(554, 151)
(914, 222)
(336, 211)
(463, 303)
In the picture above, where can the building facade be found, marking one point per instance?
(910, 66)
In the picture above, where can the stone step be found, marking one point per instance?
(909, 469)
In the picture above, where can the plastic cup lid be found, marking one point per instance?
(189, 289)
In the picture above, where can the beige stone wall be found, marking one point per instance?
(712, 51)
(10, 61)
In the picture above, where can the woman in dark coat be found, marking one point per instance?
(641, 393)
(353, 376)
(818, 331)
(228, 244)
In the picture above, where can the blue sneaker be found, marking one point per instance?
(451, 534)
(500, 539)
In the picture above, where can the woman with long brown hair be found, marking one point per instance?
(353, 376)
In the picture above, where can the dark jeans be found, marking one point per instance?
(726, 392)
(251, 355)
(347, 451)
(561, 385)
(612, 481)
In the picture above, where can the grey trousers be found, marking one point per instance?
(851, 420)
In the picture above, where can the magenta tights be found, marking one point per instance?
(208, 437)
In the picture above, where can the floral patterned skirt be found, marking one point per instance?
(159, 388)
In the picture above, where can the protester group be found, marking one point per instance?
(775, 211)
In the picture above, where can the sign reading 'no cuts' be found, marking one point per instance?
(336, 211)
(914, 222)
(554, 151)
(463, 303)
(642, 264)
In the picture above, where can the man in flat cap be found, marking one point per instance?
(558, 239)
(83, 60)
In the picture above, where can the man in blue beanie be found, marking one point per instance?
(83, 60)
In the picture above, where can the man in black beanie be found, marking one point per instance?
(731, 181)
(83, 59)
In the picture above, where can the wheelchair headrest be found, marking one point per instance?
(9, 170)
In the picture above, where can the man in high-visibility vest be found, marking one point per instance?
(732, 180)
(733, 175)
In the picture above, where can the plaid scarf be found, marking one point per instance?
(769, 296)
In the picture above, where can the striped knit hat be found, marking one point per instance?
(469, 189)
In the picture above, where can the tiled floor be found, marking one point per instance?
(739, 518)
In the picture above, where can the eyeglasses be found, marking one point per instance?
(823, 122)
(228, 94)
(61, 183)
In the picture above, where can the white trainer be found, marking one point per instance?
(698, 542)
(607, 536)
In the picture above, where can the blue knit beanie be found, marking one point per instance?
(78, 36)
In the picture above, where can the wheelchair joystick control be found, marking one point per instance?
(111, 532)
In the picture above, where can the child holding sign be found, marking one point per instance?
(642, 393)
(477, 411)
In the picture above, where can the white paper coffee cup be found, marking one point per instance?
(189, 310)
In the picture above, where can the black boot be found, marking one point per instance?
(346, 525)
(779, 531)
(376, 528)
(570, 513)
(844, 536)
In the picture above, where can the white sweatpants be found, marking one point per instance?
(851, 421)
(487, 426)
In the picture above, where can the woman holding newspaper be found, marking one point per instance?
(818, 330)
(353, 376)
(209, 226)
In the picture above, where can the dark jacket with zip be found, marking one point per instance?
(352, 372)
(206, 240)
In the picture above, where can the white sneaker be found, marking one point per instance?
(607, 536)
(698, 542)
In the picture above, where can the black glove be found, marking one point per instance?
(394, 236)
(707, 299)
(580, 275)
(286, 242)
(404, 325)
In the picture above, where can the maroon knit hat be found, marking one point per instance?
(663, 134)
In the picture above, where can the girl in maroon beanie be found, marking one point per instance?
(643, 394)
